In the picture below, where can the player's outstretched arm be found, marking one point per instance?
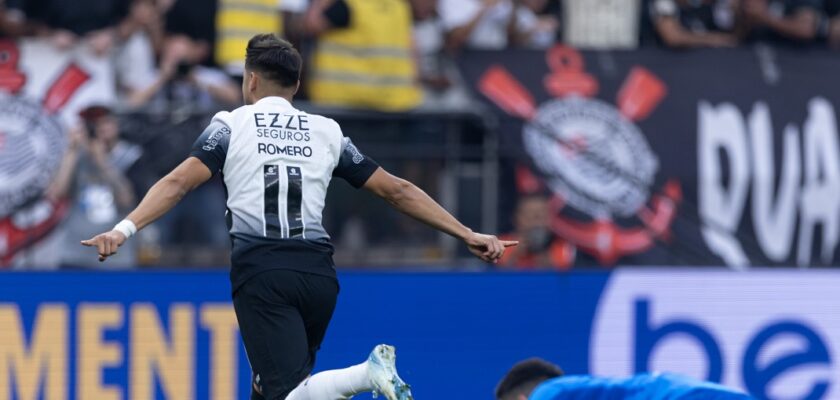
(164, 195)
(413, 201)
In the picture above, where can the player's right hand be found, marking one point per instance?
(106, 243)
(488, 247)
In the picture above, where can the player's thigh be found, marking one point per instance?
(275, 338)
(317, 308)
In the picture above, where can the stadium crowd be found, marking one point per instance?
(188, 55)
(191, 50)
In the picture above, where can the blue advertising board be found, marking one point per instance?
(173, 335)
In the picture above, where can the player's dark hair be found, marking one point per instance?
(525, 376)
(273, 58)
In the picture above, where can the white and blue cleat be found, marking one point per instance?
(382, 370)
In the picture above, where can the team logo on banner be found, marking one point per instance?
(592, 155)
(32, 144)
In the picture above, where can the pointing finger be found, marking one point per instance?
(88, 243)
(510, 243)
(488, 249)
(498, 249)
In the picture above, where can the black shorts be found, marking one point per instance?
(283, 316)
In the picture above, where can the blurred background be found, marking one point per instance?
(695, 137)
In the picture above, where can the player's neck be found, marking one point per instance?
(286, 94)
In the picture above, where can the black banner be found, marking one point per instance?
(657, 157)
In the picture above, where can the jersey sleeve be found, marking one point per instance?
(212, 146)
(353, 166)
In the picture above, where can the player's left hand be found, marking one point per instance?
(488, 247)
(106, 243)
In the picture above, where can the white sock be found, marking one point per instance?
(337, 384)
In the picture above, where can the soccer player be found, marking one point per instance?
(276, 162)
(537, 379)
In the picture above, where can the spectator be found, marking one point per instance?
(195, 20)
(294, 21)
(92, 174)
(602, 24)
(484, 24)
(428, 37)
(12, 18)
(540, 24)
(438, 75)
(794, 21)
(141, 37)
(183, 81)
(145, 17)
(363, 56)
(67, 23)
(688, 23)
(538, 246)
(832, 23)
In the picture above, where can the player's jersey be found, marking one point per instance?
(276, 164)
(639, 387)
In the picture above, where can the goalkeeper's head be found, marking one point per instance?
(524, 377)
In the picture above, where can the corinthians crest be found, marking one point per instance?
(592, 155)
(32, 143)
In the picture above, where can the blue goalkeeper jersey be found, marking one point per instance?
(639, 387)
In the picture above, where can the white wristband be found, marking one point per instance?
(126, 227)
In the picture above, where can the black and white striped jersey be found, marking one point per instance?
(276, 164)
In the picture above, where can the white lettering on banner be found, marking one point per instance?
(745, 145)
(774, 223)
(774, 334)
(821, 194)
(722, 130)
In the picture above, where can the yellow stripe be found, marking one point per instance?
(372, 66)
(365, 50)
(364, 79)
(229, 51)
(252, 7)
(247, 20)
(397, 98)
(390, 36)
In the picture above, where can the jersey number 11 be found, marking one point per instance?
(294, 201)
